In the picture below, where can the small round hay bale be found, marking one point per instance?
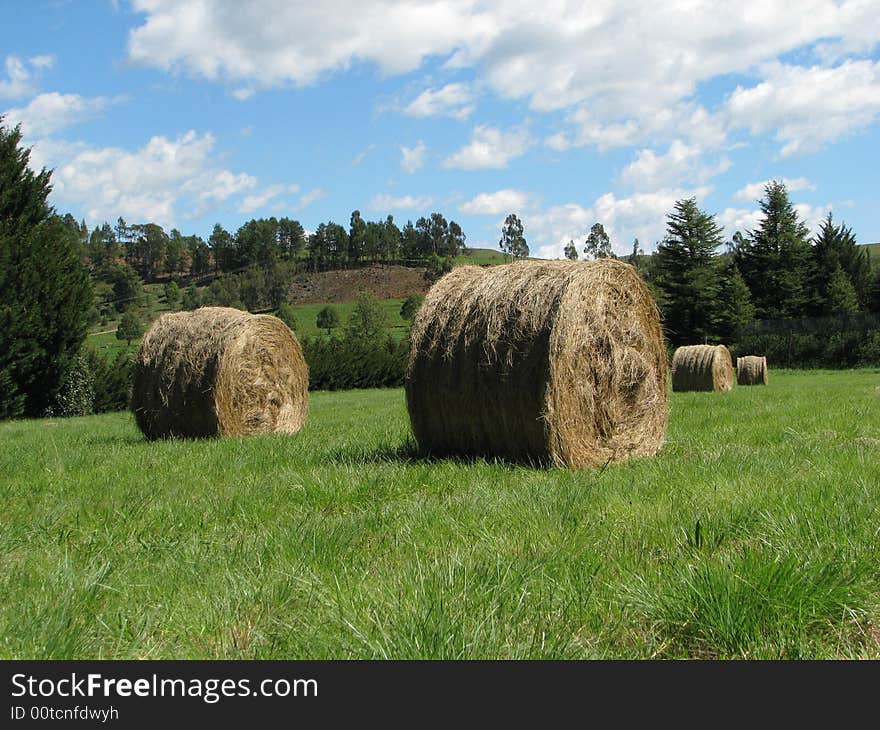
(219, 372)
(752, 370)
(702, 367)
(552, 362)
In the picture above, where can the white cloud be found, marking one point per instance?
(808, 107)
(149, 184)
(362, 155)
(453, 100)
(501, 201)
(641, 215)
(490, 148)
(48, 113)
(306, 199)
(407, 202)
(755, 190)
(268, 43)
(19, 80)
(259, 200)
(680, 164)
(412, 158)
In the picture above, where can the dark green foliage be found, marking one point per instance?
(45, 291)
(513, 240)
(342, 364)
(841, 271)
(732, 311)
(287, 314)
(327, 319)
(776, 260)
(172, 294)
(437, 268)
(830, 342)
(111, 380)
(128, 291)
(410, 306)
(368, 320)
(571, 252)
(191, 298)
(598, 244)
(840, 294)
(687, 275)
(129, 328)
(77, 394)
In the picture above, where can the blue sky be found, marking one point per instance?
(566, 113)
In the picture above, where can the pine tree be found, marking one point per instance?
(45, 292)
(687, 277)
(840, 296)
(834, 247)
(129, 328)
(775, 260)
(732, 309)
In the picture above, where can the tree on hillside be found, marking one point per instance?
(513, 241)
(410, 306)
(437, 268)
(687, 277)
(775, 259)
(357, 236)
(327, 319)
(45, 291)
(127, 287)
(172, 294)
(129, 328)
(287, 314)
(368, 320)
(191, 299)
(571, 252)
(598, 244)
(225, 251)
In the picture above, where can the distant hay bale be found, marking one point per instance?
(752, 370)
(554, 362)
(702, 367)
(219, 372)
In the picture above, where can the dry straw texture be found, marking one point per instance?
(702, 367)
(219, 371)
(752, 370)
(554, 362)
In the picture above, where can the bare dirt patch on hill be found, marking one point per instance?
(383, 281)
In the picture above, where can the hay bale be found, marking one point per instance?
(219, 371)
(702, 367)
(554, 362)
(752, 370)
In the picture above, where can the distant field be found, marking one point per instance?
(752, 535)
(307, 314)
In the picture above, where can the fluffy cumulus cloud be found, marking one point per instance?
(623, 69)
(755, 190)
(21, 75)
(497, 203)
(412, 158)
(681, 163)
(453, 100)
(808, 107)
(51, 112)
(490, 148)
(160, 182)
(385, 203)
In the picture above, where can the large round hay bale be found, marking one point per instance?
(752, 370)
(555, 362)
(219, 372)
(702, 367)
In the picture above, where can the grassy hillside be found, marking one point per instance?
(753, 534)
(306, 316)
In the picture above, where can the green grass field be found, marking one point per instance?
(307, 314)
(753, 534)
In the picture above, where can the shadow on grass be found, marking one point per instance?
(409, 453)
